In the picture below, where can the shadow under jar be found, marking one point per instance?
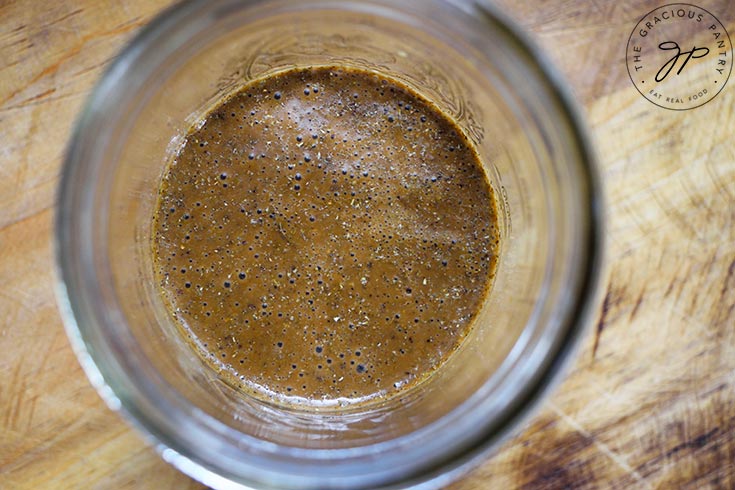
(464, 59)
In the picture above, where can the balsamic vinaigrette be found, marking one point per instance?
(325, 236)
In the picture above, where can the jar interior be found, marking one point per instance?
(430, 60)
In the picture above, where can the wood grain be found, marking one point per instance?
(650, 401)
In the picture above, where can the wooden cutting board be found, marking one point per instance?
(650, 401)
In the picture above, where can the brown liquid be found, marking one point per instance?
(327, 235)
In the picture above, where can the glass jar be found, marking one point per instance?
(469, 61)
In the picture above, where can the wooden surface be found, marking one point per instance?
(650, 401)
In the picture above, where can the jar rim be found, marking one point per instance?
(78, 309)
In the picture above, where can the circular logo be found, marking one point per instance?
(679, 56)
